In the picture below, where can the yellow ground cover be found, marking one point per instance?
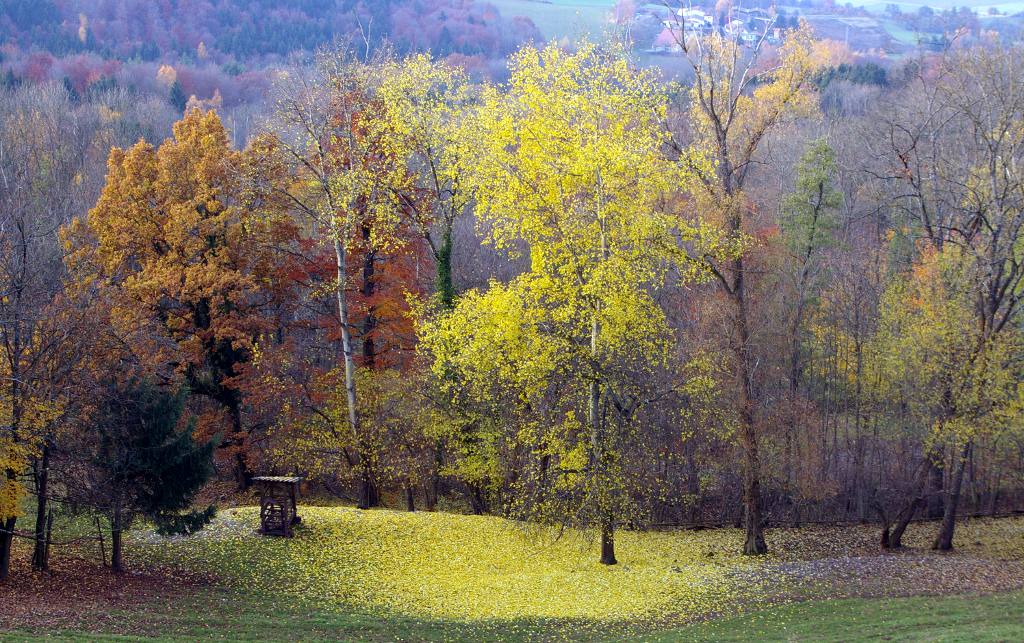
(466, 568)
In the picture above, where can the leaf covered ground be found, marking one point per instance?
(476, 568)
(442, 576)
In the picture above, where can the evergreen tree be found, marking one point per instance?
(177, 97)
(9, 80)
(70, 89)
(445, 43)
(146, 463)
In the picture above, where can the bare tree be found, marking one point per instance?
(730, 124)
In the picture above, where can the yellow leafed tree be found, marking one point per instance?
(570, 168)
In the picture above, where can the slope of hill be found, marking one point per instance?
(238, 31)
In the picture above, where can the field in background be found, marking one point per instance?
(981, 7)
(559, 18)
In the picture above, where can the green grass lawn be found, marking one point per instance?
(998, 617)
(213, 615)
(900, 33)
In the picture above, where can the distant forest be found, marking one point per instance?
(221, 50)
(246, 29)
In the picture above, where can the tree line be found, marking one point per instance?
(243, 31)
(584, 297)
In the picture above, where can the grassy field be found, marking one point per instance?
(213, 615)
(388, 575)
(998, 617)
(981, 7)
(464, 568)
(558, 18)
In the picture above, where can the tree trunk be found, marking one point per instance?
(934, 496)
(597, 439)
(917, 501)
(432, 490)
(903, 521)
(368, 288)
(116, 559)
(754, 543)
(49, 537)
(886, 538)
(944, 539)
(367, 493)
(794, 389)
(6, 540)
(608, 543)
(598, 453)
(994, 499)
(444, 284)
(7, 535)
(476, 500)
(243, 477)
(39, 554)
(693, 486)
(796, 374)
(410, 498)
(446, 295)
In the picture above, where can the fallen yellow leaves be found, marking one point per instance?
(464, 567)
(482, 569)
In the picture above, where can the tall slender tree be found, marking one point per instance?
(341, 177)
(809, 222)
(736, 102)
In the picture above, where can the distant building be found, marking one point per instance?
(695, 16)
(745, 26)
(734, 27)
(747, 14)
(668, 41)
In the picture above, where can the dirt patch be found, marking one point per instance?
(79, 593)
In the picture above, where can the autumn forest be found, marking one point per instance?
(763, 312)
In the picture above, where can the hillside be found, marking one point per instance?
(242, 31)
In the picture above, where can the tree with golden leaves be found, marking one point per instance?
(185, 256)
(431, 120)
(571, 160)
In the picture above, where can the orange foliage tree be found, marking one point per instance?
(186, 253)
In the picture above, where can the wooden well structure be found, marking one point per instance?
(278, 508)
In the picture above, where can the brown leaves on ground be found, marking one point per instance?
(78, 591)
(846, 561)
